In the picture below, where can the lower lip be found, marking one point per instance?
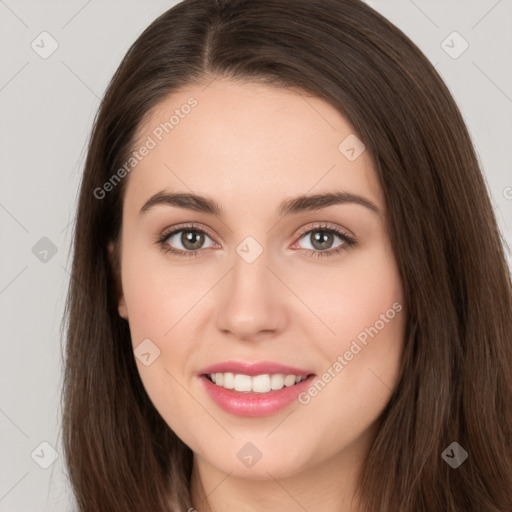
(254, 404)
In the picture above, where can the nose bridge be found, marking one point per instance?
(251, 301)
(250, 277)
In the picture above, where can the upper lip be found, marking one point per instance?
(252, 369)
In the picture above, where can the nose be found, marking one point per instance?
(251, 302)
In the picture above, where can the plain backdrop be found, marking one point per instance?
(48, 103)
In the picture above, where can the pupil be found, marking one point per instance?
(192, 240)
(321, 239)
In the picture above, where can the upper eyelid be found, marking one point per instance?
(191, 227)
(323, 225)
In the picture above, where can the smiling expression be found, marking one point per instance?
(248, 236)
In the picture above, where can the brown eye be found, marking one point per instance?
(192, 240)
(186, 240)
(321, 239)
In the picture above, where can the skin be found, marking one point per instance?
(249, 146)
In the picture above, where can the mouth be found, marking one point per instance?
(254, 394)
(264, 383)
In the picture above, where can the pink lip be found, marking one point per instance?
(252, 369)
(250, 403)
(254, 404)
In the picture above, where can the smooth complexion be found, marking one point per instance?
(249, 147)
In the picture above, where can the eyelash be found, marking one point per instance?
(348, 241)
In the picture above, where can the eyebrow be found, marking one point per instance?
(292, 206)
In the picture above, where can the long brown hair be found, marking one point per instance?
(456, 378)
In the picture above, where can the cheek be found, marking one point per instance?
(163, 303)
(363, 357)
(362, 304)
(351, 296)
(158, 297)
(159, 292)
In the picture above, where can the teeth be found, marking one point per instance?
(277, 381)
(229, 381)
(257, 384)
(289, 380)
(261, 384)
(242, 382)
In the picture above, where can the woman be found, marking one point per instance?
(217, 359)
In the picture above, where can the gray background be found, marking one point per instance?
(47, 109)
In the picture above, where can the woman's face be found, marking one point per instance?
(312, 285)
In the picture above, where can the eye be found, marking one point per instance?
(184, 241)
(322, 241)
(188, 241)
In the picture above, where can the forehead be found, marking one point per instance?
(247, 142)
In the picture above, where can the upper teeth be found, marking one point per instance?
(258, 384)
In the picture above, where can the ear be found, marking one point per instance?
(114, 262)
